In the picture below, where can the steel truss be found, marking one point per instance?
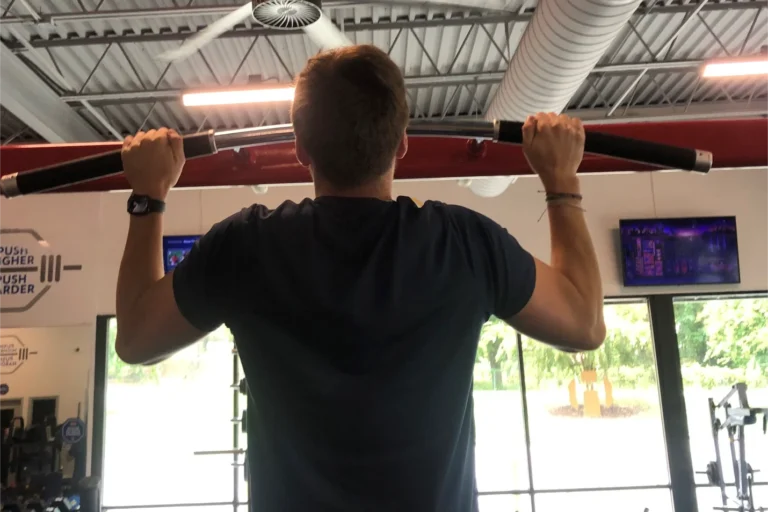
(458, 91)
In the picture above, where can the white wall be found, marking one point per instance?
(743, 193)
(90, 229)
(60, 364)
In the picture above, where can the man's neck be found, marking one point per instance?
(380, 189)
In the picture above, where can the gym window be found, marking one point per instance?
(554, 431)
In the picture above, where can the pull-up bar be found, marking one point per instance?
(510, 132)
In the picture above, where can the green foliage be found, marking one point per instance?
(628, 339)
(691, 331)
(721, 342)
(543, 363)
(627, 351)
(498, 349)
(719, 335)
(738, 333)
(709, 377)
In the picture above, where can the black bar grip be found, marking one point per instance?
(626, 148)
(92, 167)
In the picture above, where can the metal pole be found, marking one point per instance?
(239, 451)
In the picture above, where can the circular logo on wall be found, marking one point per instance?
(4, 389)
(28, 269)
(72, 431)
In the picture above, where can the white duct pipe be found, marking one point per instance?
(562, 43)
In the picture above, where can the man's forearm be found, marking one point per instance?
(573, 254)
(141, 266)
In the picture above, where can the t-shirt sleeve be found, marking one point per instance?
(508, 271)
(204, 283)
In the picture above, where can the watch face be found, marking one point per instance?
(138, 205)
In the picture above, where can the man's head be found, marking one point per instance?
(349, 114)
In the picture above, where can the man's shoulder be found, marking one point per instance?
(258, 212)
(454, 211)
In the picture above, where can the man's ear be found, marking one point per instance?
(402, 149)
(301, 154)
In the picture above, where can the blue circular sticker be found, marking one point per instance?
(4, 389)
(72, 431)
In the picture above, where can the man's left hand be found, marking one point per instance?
(152, 162)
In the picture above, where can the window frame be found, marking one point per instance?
(97, 455)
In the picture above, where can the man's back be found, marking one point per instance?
(357, 321)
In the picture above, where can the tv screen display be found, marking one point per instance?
(175, 249)
(673, 252)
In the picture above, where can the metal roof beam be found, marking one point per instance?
(384, 24)
(412, 82)
(215, 10)
(35, 104)
(663, 113)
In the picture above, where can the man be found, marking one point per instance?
(357, 315)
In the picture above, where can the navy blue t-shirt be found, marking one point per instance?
(357, 321)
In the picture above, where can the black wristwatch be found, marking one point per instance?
(144, 205)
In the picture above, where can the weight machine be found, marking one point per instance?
(735, 419)
(31, 473)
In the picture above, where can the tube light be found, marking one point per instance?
(747, 67)
(236, 96)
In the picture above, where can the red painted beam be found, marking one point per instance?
(734, 144)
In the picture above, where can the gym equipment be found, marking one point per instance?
(32, 476)
(735, 419)
(242, 420)
(236, 451)
(242, 386)
(107, 164)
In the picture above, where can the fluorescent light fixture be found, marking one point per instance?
(236, 96)
(740, 67)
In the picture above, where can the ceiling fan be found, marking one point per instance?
(275, 14)
(307, 15)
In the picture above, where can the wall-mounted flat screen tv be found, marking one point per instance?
(684, 251)
(175, 249)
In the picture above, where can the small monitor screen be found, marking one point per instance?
(673, 252)
(175, 249)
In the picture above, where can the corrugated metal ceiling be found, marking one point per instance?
(477, 46)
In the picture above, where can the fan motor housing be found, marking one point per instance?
(286, 14)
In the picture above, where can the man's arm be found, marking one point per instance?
(565, 308)
(150, 326)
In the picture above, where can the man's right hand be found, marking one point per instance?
(554, 147)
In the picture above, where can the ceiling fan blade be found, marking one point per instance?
(326, 35)
(205, 36)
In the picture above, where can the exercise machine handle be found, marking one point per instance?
(626, 148)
